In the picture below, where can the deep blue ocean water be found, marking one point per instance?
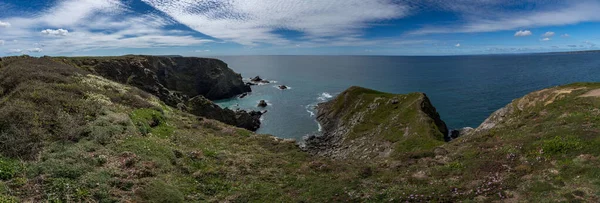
(464, 89)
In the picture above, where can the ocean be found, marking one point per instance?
(464, 89)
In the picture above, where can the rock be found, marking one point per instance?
(262, 104)
(282, 87)
(243, 95)
(201, 106)
(191, 76)
(353, 110)
(440, 151)
(256, 79)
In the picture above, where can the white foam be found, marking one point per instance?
(320, 128)
(312, 114)
(324, 97)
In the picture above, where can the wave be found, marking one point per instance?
(324, 97)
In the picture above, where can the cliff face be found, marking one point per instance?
(175, 80)
(365, 124)
(190, 76)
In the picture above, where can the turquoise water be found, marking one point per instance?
(464, 89)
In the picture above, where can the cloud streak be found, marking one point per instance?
(84, 25)
(249, 22)
(494, 17)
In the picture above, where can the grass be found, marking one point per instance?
(68, 136)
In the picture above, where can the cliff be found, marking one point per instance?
(190, 76)
(366, 124)
(175, 80)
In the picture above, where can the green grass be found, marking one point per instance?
(152, 121)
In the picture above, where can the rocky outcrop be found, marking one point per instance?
(201, 106)
(175, 80)
(366, 124)
(190, 76)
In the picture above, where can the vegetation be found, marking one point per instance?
(69, 136)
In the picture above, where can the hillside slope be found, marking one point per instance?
(68, 135)
(176, 80)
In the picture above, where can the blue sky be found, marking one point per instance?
(297, 27)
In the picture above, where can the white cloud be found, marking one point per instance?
(548, 34)
(523, 33)
(59, 32)
(545, 39)
(35, 50)
(254, 21)
(4, 24)
(1, 42)
(565, 35)
(457, 45)
(14, 51)
(198, 51)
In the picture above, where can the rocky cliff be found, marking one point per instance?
(365, 124)
(175, 80)
(190, 76)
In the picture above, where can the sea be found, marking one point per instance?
(464, 89)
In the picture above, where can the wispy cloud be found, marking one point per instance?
(493, 15)
(548, 34)
(59, 32)
(249, 22)
(82, 25)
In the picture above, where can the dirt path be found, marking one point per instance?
(593, 93)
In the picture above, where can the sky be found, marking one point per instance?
(296, 27)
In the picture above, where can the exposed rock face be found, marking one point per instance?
(177, 79)
(191, 76)
(201, 106)
(366, 124)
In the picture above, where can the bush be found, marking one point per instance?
(8, 168)
(561, 145)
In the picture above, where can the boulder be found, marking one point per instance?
(283, 87)
(262, 103)
(256, 79)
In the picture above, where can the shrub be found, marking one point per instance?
(561, 145)
(8, 168)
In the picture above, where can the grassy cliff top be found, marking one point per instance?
(400, 124)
